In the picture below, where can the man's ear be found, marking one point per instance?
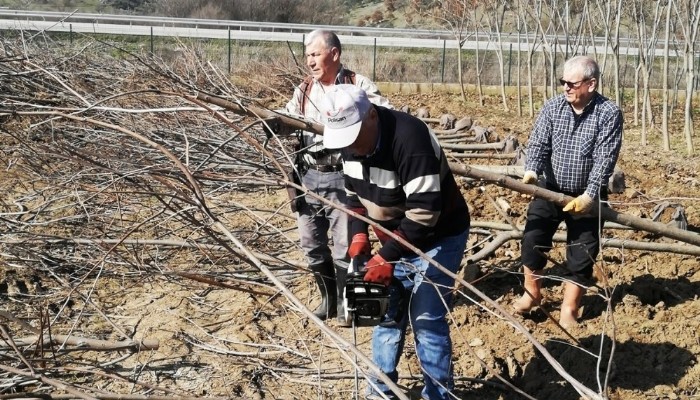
(373, 113)
(594, 86)
(336, 53)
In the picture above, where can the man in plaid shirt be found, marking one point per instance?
(575, 144)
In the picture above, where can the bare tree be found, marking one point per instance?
(610, 21)
(688, 17)
(666, 142)
(539, 15)
(495, 13)
(519, 24)
(523, 18)
(646, 42)
(454, 16)
(476, 24)
(615, 45)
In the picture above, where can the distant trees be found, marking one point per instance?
(126, 4)
(547, 32)
(328, 12)
(453, 15)
(550, 31)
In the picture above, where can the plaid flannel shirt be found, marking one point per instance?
(576, 153)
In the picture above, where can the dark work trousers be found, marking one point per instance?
(582, 238)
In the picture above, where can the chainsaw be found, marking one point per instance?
(366, 303)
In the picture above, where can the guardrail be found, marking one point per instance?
(219, 24)
(198, 23)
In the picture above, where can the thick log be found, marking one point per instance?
(474, 147)
(263, 113)
(561, 199)
(506, 236)
(497, 156)
(459, 135)
(500, 226)
(511, 170)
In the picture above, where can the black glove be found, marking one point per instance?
(296, 198)
(271, 127)
(298, 203)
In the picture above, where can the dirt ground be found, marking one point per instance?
(226, 342)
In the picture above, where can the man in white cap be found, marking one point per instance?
(397, 175)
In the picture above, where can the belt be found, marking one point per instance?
(326, 167)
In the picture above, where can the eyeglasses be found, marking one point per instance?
(573, 85)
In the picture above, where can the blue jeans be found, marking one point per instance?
(316, 219)
(430, 296)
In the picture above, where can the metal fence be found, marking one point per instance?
(382, 63)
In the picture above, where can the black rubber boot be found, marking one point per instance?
(325, 279)
(341, 274)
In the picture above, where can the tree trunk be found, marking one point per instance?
(460, 74)
(561, 199)
(664, 82)
(688, 17)
(479, 89)
(688, 128)
(616, 53)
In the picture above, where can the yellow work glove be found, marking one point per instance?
(530, 177)
(580, 205)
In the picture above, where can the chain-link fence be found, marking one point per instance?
(401, 64)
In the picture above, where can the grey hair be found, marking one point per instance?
(329, 38)
(587, 64)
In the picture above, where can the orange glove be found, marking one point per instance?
(359, 245)
(580, 205)
(379, 270)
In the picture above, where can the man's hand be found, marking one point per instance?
(359, 245)
(379, 271)
(384, 237)
(273, 126)
(297, 203)
(530, 177)
(580, 205)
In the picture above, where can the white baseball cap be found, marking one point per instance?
(342, 110)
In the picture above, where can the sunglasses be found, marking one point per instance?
(573, 85)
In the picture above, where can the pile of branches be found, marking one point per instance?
(109, 171)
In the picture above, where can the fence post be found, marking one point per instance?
(374, 62)
(151, 40)
(70, 35)
(510, 60)
(442, 73)
(229, 50)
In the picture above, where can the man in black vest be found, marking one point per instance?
(322, 173)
